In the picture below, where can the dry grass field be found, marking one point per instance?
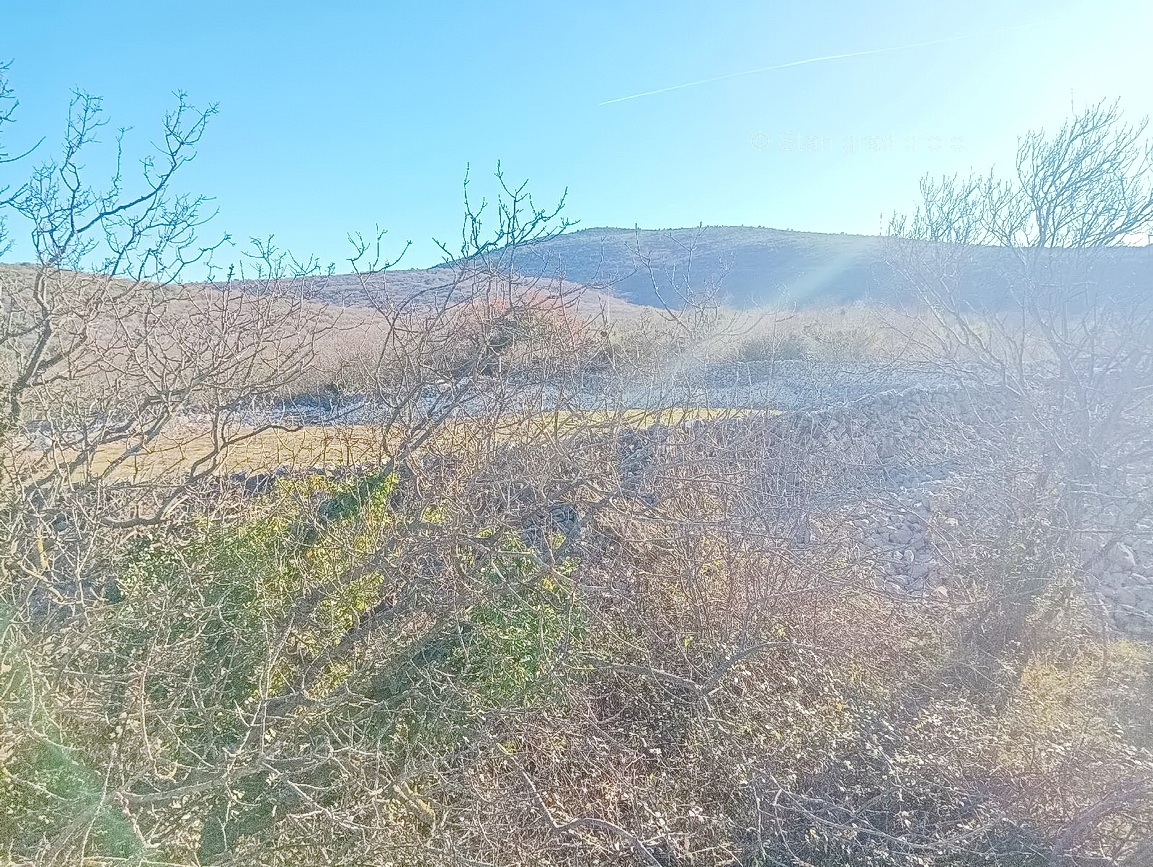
(346, 445)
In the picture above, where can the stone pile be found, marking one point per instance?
(902, 546)
(1125, 585)
(871, 473)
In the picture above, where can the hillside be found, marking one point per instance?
(623, 270)
(369, 292)
(749, 266)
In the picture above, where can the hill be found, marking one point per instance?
(624, 270)
(747, 267)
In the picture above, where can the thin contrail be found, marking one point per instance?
(821, 60)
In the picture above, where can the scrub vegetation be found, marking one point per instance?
(496, 620)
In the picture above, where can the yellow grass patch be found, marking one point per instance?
(179, 449)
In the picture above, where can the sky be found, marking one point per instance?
(338, 117)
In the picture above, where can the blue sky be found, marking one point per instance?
(335, 117)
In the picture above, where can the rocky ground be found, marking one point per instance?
(787, 386)
(894, 465)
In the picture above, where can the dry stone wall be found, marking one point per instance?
(942, 467)
(909, 484)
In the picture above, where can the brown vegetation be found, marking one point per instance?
(507, 635)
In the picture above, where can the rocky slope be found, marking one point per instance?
(748, 266)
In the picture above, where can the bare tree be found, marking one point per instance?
(1028, 304)
(1072, 347)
